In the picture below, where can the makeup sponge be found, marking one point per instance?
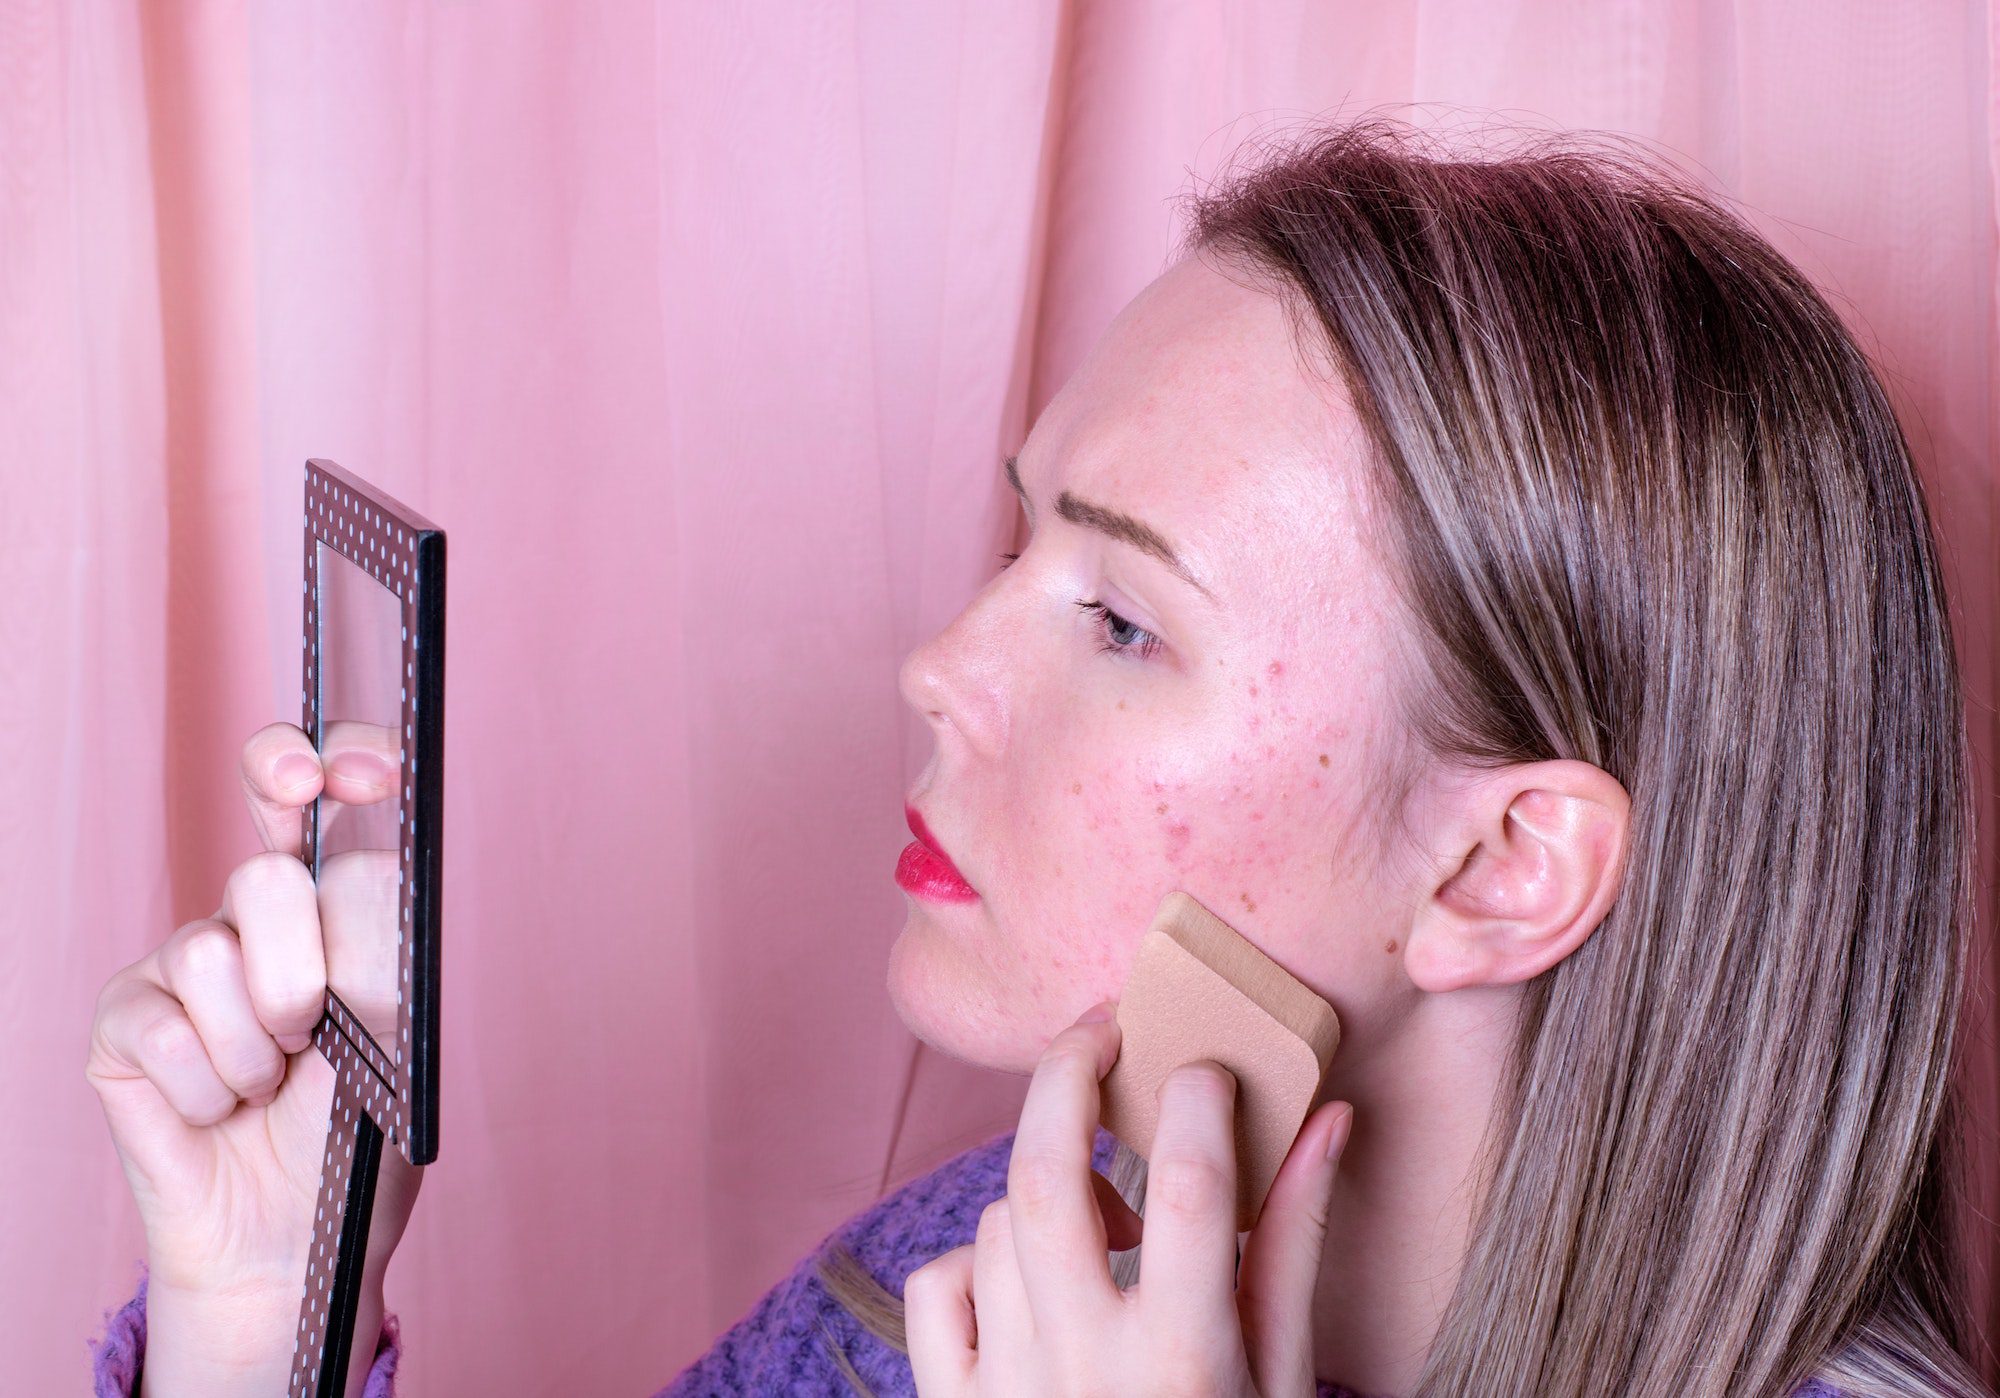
(1197, 990)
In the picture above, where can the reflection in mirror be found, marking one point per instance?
(359, 844)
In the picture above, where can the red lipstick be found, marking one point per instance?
(924, 870)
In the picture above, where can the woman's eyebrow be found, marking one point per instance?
(1114, 523)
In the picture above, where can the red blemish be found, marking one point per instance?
(1076, 789)
(1248, 904)
(1160, 809)
(1256, 815)
(1178, 836)
(1256, 722)
(1274, 669)
(1322, 760)
(1391, 947)
(1315, 783)
(1253, 689)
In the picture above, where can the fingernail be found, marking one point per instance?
(295, 770)
(1336, 1139)
(1098, 1013)
(292, 1043)
(361, 767)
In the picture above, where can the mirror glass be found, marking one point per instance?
(358, 861)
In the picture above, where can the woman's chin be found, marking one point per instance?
(936, 1002)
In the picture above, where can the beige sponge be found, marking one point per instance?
(1197, 990)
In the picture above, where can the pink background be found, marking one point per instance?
(701, 328)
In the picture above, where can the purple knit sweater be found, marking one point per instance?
(782, 1343)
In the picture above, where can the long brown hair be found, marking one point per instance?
(1649, 508)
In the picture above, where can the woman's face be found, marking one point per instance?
(1227, 739)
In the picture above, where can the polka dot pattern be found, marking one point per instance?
(333, 1267)
(379, 1089)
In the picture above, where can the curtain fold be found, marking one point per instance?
(702, 328)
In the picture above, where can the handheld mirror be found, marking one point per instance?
(374, 708)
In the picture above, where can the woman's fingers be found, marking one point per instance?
(146, 1034)
(272, 903)
(281, 776)
(201, 965)
(363, 761)
(1123, 1228)
(997, 1292)
(939, 1324)
(1057, 1225)
(1281, 1257)
(1187, 1272)
(359, 900)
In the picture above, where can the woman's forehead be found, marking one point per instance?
(1195, 413)
(1197, 367)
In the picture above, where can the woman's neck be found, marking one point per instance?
(1403, 1201)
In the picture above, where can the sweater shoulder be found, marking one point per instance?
(788, 1340)
(938, 1211)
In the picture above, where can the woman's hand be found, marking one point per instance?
(217, 1101)
(1030, 1307)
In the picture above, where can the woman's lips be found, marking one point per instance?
(924, 870)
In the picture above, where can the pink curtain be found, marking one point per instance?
(701, 329)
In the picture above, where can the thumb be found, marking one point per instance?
(1281, 1257)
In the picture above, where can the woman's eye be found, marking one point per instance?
(1112, 624)
(1144, 643)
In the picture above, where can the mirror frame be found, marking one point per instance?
(403, 552)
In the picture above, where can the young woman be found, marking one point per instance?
(1498, 587)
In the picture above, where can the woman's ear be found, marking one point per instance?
(1533, 863)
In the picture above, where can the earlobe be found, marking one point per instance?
(1544, 855)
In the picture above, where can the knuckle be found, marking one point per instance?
(1204, 1077)
(1035, 1179)
(256, 1070)
(993, 1219)
(110, 997)
(1190, 1361)
(927, 1279)
(292, 1003)
(169, 1039)
(263, 874)
(1188, 1186)
(1068, 1053)
(207, 951)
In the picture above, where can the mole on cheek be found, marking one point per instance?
(1390, 946)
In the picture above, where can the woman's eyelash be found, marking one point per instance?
(1143, 649)
(1109, 621)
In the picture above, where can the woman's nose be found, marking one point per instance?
(957, 680)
